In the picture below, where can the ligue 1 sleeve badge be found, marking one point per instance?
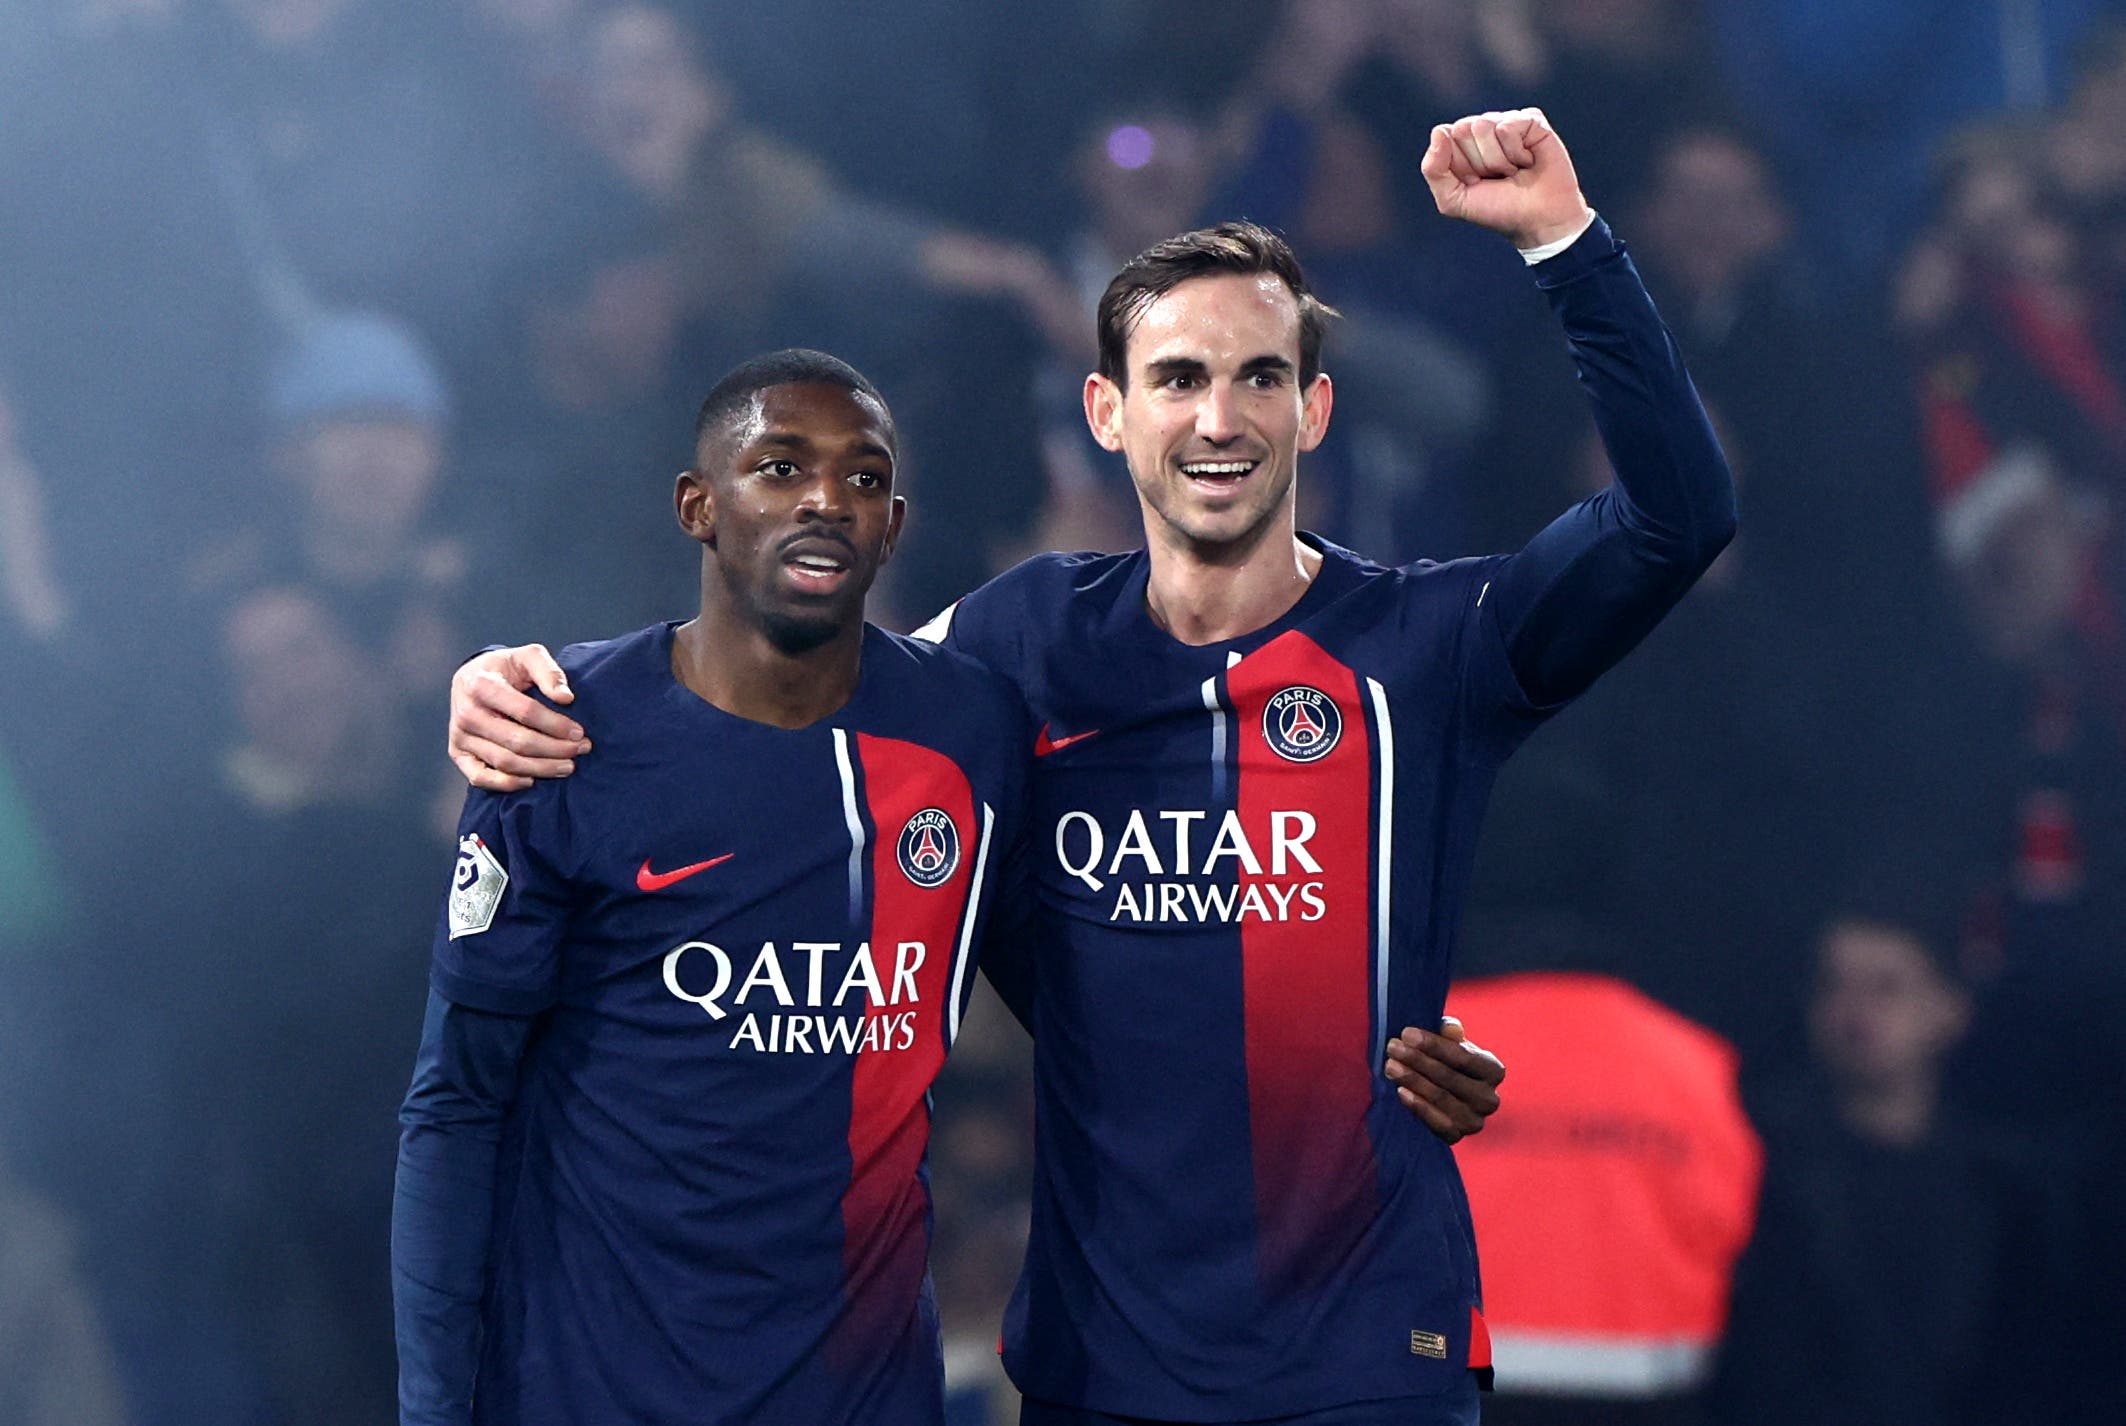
(1302, 724)
(929, 848)
(475, 887)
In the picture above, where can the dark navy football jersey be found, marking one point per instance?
(1251, 858)
(748, 950)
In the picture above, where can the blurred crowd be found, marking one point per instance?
(341, 337)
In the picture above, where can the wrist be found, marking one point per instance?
(1563, 230)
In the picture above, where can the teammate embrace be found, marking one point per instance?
(663, 1155)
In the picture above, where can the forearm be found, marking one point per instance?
(443, 1204)
(1592, 584)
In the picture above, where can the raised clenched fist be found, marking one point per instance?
(1508, 172)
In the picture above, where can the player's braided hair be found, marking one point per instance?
(1241, 247)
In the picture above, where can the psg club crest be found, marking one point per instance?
(1302, 724)
(929, 848)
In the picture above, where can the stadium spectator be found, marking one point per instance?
(360, 418)
(1904, 1260)
(302, 1071)
(720, 239)
(363, 417)
(1632, 71)
(2009, 322)
(2088, 149)
(56, 1364)
(1831, 88)
(360, 149)
(38, 609)
(1605, 1308)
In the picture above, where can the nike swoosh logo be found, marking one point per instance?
(649, 880)
(1043, 745)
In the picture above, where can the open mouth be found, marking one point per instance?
(818, 566)
(1218, 477)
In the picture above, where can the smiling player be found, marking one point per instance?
(662, 1156)
(1261, 766)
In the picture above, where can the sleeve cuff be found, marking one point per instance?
(1547, 251)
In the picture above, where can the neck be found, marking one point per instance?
(1206, 594)
(1895, 1113)
(733, 663)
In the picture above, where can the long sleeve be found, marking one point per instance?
(1597, 579)
(442, 1208)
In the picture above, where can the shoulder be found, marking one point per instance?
(1032, 607)
(614, 680)
(943, 672)
(1080, 569)
(1427, 587)
(1033, 585)
(604, 661)
(618, 701)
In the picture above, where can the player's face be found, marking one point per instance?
(1213, 418)
(797, 500)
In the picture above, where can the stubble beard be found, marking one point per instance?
(1215, 538)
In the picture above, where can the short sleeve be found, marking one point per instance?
(498, 940)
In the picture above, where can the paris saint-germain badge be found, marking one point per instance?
(929, 847)
(1302, 724)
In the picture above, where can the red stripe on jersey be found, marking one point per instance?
(1479, 1341)
(1306, 982)
(885, 1243)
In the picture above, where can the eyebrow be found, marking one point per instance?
(1190, 366)
(798, 441)
(1175, 366)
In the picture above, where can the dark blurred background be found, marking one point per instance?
(341, 337)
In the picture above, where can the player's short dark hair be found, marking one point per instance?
(1244, 248)
(788, 367)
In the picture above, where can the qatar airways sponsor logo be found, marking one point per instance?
(1185, 865)
(811, 997)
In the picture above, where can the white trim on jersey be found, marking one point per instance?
(939, 626)
(967, 919)
(1384, 838)
(855, 819)
(1210, 701)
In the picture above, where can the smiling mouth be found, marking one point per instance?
(1218, 476)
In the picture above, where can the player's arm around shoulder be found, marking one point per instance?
(1447, 1082)
(501, 738)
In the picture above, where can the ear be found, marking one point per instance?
(1314, 412)
(1103, 411)
(894, 519)
(695, 505)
